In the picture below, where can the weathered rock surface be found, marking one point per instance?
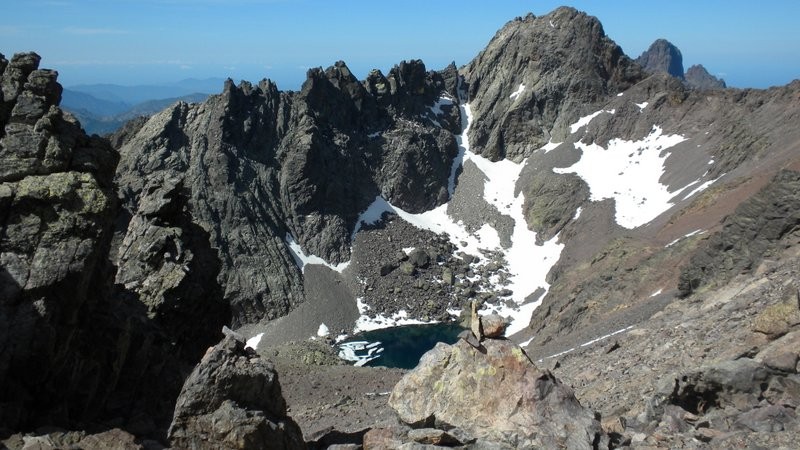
(254, 165)
(698, 77)
(73, 349)
(496, 394)
(761, 225)
(233, 400)
(662, 56)
(561, 62)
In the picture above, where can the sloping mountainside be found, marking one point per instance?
(639, 235)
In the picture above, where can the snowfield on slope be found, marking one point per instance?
(629, 172)
(527, 263)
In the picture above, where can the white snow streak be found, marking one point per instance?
(516, 93)
(656, 293)
(642, 106)
(684, 236)
(702, 187)
(550, 146)
(583, 121)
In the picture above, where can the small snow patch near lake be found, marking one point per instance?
(367, 323)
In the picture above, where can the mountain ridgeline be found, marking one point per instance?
(123, 258)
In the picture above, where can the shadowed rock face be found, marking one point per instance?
(662, 56)
(565, 63)
(69, 350)
(493, 393)
(254, 164)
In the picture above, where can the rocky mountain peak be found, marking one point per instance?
(538, 75)
(698, 77)
(662, 56)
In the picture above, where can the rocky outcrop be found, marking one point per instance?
(233, 400)
(539, 75)
(697, 77)
(551, 201)
(254, 165)
(71, 351)
(493, 393)
(56, 211)
(662, 56)
(758, 227)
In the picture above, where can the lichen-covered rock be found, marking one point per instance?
(494, 393)
(233, 400)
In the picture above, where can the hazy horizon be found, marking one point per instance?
(156, 42)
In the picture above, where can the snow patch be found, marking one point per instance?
(629, 173)
(408, 250)
(586, 344)
(656, 293)
(642, 106)
(684, 237)
(366, 323)
(550, 146)
(525, 344)
(577, 213)
(620, 94)
(443, 100)
(702, 187)
(583, 121)
(301, 259)
(526, 262)
(254, 341)
(323, 331)
(516, 93)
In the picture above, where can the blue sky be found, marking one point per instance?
(750, 44)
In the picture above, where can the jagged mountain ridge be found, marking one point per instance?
(209, 191)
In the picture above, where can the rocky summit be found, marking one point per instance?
(619, 239)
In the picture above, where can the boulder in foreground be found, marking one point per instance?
(495, 394)
(233, 400)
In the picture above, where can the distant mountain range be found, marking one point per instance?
(103, 108)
